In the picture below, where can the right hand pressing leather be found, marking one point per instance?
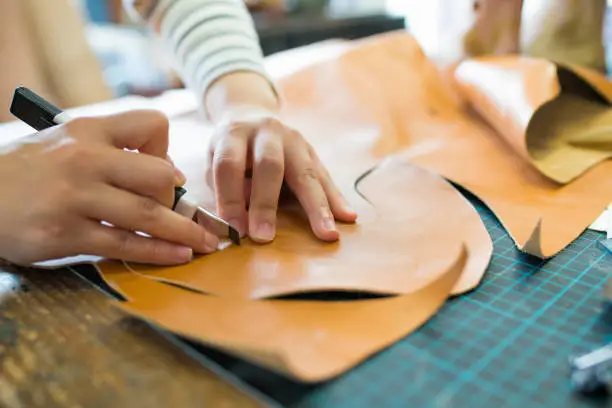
(59, 184)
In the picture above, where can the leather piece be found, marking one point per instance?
(386, 85)
(310, 341)
(416, 236)
(552, 116)
(403, 210)
(570, 135)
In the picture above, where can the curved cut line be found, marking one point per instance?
(176, 284)
(362, 177)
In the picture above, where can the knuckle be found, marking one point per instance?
(158, 121)
(272, 122)
(125, 243)
(272, 162)
(147, 209)
(80, 159)
(231, 204)
(79, 125)
(225, 160)
(266, 206)
(155, 250)
(307, 175)
(294, 134)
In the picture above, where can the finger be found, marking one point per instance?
(115, 243)
(266, 182)
(229, 163)
(339, 205)
(144, 130)
(138, 213)
(179, 177)
(141, 174)
(301, 176)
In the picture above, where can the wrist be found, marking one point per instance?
(239, 91)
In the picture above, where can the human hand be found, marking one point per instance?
(253, 140)
(61, 184)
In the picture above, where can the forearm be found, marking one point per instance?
(237, 90)
(216, 49)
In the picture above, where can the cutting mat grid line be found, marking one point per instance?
(506, 344)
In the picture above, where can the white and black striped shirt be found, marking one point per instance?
(208, 38)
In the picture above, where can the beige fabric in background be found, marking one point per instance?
(566, 31)
(71, 69)
(43, 46)
(561, 30)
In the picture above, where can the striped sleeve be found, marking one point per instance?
(208, 38)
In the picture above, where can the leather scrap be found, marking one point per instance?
(557, 118)
(310, 341)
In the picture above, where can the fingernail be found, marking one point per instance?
(179, 177)
(348, 206)
(328, 219)
(264, 232)
(184, 254)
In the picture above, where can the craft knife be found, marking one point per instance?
(40, 114)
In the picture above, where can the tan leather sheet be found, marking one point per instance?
(386, 86)
(308, 340)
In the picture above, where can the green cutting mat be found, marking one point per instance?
(504, 345)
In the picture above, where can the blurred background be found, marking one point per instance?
(133, 63)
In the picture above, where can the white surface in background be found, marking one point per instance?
(171, 103)
(604, 222)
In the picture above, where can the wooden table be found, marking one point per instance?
(63, 345)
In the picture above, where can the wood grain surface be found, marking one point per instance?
(62, 344)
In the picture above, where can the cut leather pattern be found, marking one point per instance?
(402, 211)
(307, 340)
